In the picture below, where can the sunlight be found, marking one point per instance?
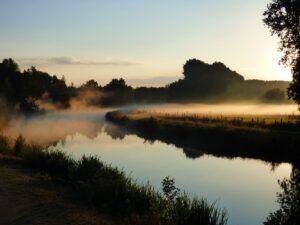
(282, 71)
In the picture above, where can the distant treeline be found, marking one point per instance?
(25, 91)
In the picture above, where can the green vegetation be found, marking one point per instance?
(110, 191)
(270, 138)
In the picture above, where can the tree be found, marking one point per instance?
(116, 85)
(283, 19)
(274, 95)
(91, 85)
(203, 81)
(9, 66)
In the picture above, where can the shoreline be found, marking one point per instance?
(274, 142)
(30, 198)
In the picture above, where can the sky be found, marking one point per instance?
(143, 41)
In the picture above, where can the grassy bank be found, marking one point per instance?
(270, 138)
(31, 198)
(97, 185)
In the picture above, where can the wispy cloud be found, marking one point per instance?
(152, 81)
(40, 61)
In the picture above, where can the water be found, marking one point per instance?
(246, 188)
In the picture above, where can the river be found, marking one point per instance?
(245, 187)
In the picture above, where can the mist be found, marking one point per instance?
(56, 125)
(220, 109)
(50, 128)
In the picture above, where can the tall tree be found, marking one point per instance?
(283, 19)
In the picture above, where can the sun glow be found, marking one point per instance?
(283, 72)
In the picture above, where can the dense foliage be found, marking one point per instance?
(283, 19)
(289, 201)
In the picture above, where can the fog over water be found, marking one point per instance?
(223, 109)
(246, 188)
(56, 125)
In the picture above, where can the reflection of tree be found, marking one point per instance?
(115, 132)
(34, 131)
(192, 153)
(289, 200)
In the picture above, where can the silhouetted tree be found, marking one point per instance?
(203, 81)
(116, 85)
(9, 66)
(283, 19)
(91, 85)
(274, 95)
(117, 93)
(294, 88)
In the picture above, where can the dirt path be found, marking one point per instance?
(28, 199)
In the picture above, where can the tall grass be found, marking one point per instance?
(99, 185)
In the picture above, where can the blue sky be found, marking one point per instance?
(137, 39)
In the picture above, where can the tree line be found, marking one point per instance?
(201, 82)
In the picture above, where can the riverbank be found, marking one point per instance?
(274, 139)
(93, 185)
(31, 198)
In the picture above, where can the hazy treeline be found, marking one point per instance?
(32, 89)
(205, 82)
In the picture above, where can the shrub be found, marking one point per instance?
(20, 145)
(4, 145)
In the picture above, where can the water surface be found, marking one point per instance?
(246, 188)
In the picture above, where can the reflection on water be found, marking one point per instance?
(289, 200)
(48, 129)
(246, 188)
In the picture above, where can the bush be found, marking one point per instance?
(4, 145)
(20, 145)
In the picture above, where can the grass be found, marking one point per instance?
(109, 190)
(276, 122)
(269, 138)
(31, 198)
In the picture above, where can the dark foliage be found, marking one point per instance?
(201, 82)
(111, 191)
(216, 82)
(22, 89)
(274, 95)
(282, 17)
(277, 142)
(289, 201)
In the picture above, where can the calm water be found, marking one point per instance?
(246, 188)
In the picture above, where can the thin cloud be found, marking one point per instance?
(152, 81)
(72, 61)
